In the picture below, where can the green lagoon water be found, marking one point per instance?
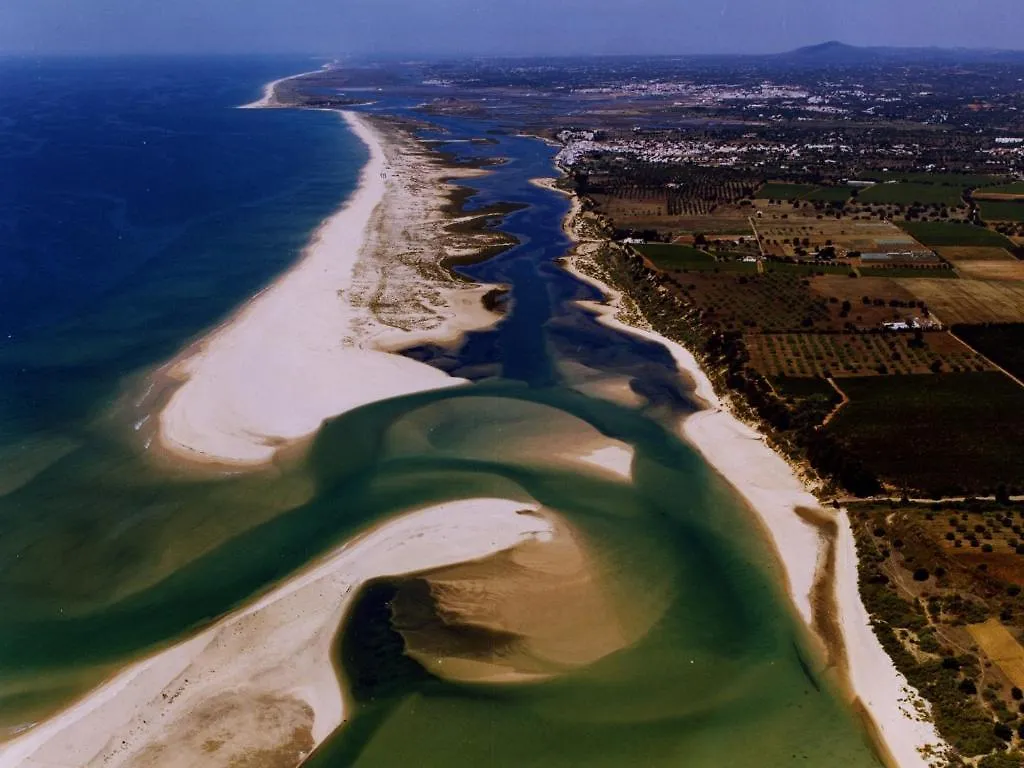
(105, 555)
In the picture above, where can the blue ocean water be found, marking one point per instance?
(137, 207)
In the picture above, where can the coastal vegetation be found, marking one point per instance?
(943, 583)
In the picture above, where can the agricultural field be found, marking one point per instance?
(780, 191)
(774, 302)
(872, 301)
(1015, 188)
(968, 302)
(781, 236)
(1002, 210)
(963, 254)
(807, 270)
(829, 194)
(996, 642)
(934, 434)
(1002, 344)
(961, 180)
(907, 193)
(935, 273)
(790, 192)
(939, 233)
(837, 355)
(736, 223)
(651, 213)
(984, 263)
(674, 199)
(669, 256)
(803, 387)
(975, 533)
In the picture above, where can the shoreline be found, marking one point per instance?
(774, 492)
(262, 382)
(268, 100)
(275, 371)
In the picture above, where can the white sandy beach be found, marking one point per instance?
(269, 97)
(317, 342)
(280, 367)
(260, 675)
(773, 490)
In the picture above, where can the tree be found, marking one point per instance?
(1002, 494)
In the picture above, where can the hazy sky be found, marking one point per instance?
(498, 26)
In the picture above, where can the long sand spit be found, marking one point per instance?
(287, 360)
(775, 493)
(269, 96)
(260, 683)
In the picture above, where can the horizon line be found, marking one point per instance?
(31, 53)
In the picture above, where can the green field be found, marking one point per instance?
(937, 233)
(1002, 343)
(829, 194)
(905, 193)
(1001, 210)
(779, 191)
(961, 180)
(800, 387)
(774, 191)
(905, 272)
(670, 256)
(933, 433)
(1015, 188)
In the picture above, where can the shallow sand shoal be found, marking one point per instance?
(262, 679)
(531, 612)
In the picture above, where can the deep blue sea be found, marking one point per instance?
(137, 207)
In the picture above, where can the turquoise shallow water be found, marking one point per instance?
(104, 556)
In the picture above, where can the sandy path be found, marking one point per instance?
(260, 683)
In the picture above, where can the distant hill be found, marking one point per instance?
(836, 53)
